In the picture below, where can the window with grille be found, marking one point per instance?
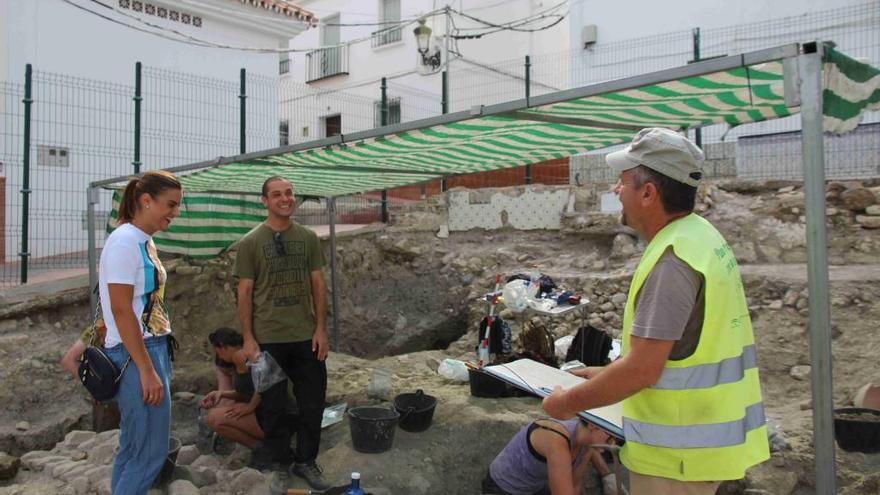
(389, 12)
(393, 112)
(283, 133)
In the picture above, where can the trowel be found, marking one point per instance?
(336, 490)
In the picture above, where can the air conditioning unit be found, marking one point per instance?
(588, 35)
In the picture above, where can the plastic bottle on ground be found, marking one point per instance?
(355, 487)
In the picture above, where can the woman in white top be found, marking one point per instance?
(132, 286)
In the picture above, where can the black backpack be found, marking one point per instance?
(500, 337)
(590, 346)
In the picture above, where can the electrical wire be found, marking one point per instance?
(261, 18)
(543, 28)
(514, 24)
(188, 39)
(236, 13)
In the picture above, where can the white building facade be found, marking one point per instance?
(83, 55)
(376, 50)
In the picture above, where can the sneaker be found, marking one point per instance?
(312, 473)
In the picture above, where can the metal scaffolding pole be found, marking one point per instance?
(334, 286)
(91, 200)
(810, 76)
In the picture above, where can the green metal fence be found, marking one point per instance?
(853, 28)
(82, 130)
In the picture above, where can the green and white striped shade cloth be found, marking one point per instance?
(496, 142)
(220, 202)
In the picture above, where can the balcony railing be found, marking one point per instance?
(386, 36)
(327, 62)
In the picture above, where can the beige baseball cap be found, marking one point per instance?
(664, 151)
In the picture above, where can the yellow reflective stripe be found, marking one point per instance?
(708, 375)
(726, 434)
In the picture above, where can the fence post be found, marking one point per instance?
(383, 120)
(137, 118)
(242, 97)
(26, 171)
(698, 132)
(528, 93)
(444, 106)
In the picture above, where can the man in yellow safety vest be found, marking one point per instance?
(693, 415)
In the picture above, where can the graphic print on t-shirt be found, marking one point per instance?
(286, 272)
(154, 273)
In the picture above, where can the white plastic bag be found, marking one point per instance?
(561, 345)
(333, 414)
(453, 369)
(518, 293)
(265, 372)
(542, 304)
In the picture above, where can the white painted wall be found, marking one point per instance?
(194, 119)
(399, 62)
(57, 37)
(629, 19)
(660, 37)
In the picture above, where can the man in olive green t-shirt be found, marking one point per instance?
(282, 306)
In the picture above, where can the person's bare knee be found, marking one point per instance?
(216, 418)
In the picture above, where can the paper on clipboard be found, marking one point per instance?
(540, 379)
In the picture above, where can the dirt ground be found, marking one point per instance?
(405, 290)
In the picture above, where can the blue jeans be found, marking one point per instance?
(144, 431)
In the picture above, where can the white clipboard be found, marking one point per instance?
(540, 379)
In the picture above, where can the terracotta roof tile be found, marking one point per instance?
(284, 8)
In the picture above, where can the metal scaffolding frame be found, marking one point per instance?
(803, 85)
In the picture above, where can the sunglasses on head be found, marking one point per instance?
(279, 244)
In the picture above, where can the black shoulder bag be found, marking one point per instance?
(96, 371)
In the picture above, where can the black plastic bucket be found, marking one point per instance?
(857, 429)
(372, 428)
(485, 385)
(416, 410)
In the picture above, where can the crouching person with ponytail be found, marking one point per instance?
(132, 287)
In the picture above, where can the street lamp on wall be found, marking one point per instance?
(423, 42)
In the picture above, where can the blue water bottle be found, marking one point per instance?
(355, 487)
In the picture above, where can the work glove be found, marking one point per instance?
(609, 485)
